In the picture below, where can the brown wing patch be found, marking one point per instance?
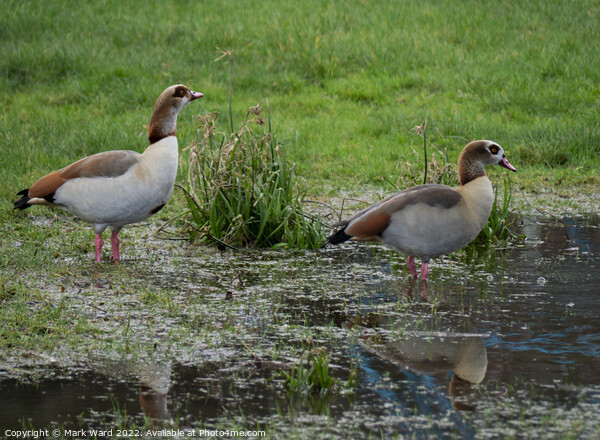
(432, 195)
(106, 164)
(369, 225)
(46, 185)
(440, 196)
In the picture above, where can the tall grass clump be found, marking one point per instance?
(242, 189)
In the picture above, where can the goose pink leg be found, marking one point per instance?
(412, 266)
(424, 271)
(115, 241)
(99, 244)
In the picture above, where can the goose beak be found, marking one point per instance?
(195, 95)
(506, 164)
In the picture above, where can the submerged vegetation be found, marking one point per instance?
(300, 343)
(311, 377)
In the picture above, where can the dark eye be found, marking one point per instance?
(494, 149)
(181, 92)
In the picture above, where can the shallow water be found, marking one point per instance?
(499, 343)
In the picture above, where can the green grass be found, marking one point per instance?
(243, 190)
(346, 82)
(311, 377)
(31, 321)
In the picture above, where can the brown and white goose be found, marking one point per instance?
(116, 188)
(431, 220)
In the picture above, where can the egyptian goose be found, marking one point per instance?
(431, 220)
(116, 188)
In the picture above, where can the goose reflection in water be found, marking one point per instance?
(432, 353)
(154, 388)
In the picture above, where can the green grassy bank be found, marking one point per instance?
(346, 81)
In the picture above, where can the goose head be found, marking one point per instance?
(476, 155)
(168, 105)
(176, 97)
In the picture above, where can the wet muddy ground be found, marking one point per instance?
(501, 343)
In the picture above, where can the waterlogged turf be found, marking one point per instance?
(501, 343)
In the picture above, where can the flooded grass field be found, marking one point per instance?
(501, 343)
